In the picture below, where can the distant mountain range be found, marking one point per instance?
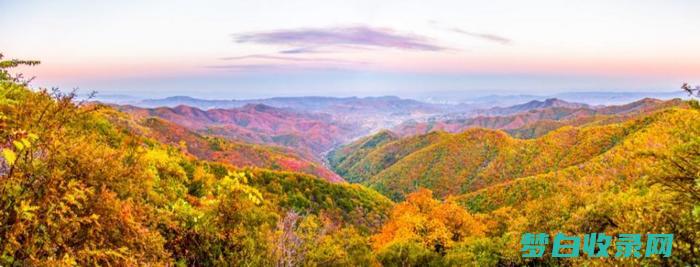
(331, 105)
(590, 98)
(366, 114)
(389, 105)
(534, 118)
(318, 124)
(296, 133)
(312, 133)
(615, 98)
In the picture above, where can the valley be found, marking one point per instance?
(346, 145)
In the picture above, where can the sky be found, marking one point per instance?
(253, 49)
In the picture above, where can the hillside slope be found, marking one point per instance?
(257, 123)
(237, 154)
(360, 161)
(620, 165)
(639, 176)
(79, 189)
(451, 164)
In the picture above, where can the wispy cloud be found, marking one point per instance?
(299, 50)
(291, 59)
(289, 67)
(485, 36)
(307, 40)
(246, 66)
(287, 63)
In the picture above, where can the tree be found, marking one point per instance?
(5, 65)
(690, 90)
(433, 225)
(56, 205)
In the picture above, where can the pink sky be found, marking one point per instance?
(111, 47)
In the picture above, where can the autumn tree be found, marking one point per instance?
(422, 223)
(679, 173)
(56, 203)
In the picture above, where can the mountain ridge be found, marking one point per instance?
(446, 164)
(258, 123)
(536, 121)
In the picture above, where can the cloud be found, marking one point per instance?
(299, 50)
(307, 40)
(486, 36)
(287, 63)
(291, 59)
(246, 66)
(277, 67)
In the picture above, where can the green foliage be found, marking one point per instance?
(693, 103)
(5, 65)
(316, 240)
(475, 252)
(342, 159)
(361, 164)
(354, 204)
(407, 254)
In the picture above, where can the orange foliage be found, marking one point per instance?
(436, 225)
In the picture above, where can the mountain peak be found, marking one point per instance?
(554, 100)
(185, 108)
(259, 107)
(551, 103)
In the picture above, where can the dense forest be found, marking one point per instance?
(82, 183)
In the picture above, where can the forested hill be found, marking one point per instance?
(236, 153)
(79, 189)
(451, 164)
(639, 175)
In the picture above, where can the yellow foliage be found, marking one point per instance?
(10, 156)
